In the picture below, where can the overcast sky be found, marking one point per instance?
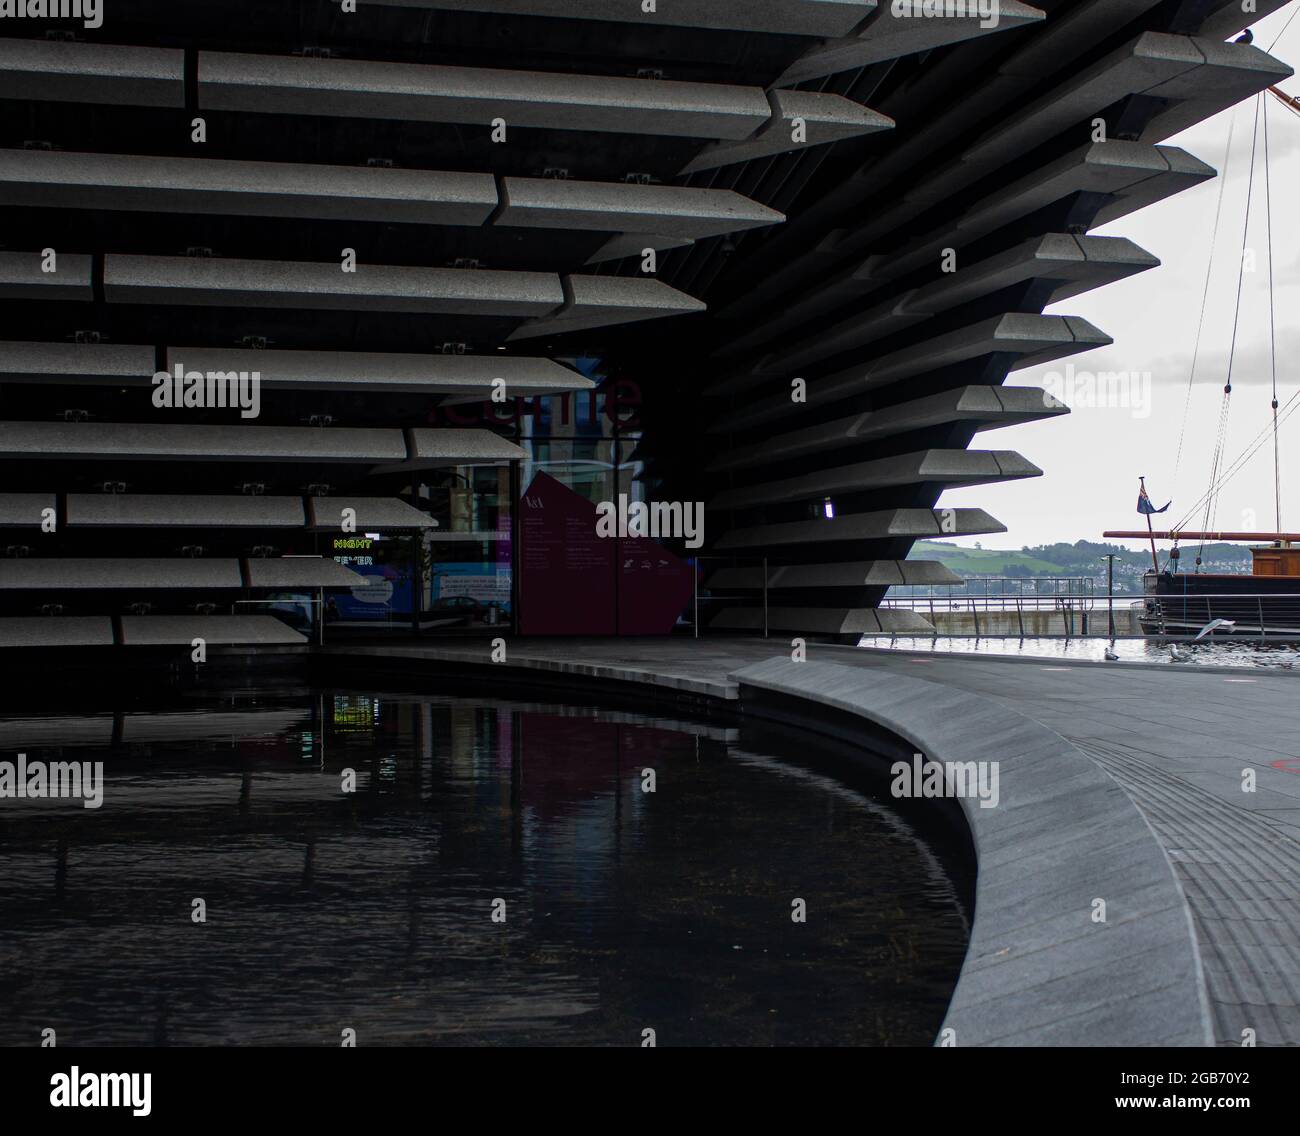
(1092, 458)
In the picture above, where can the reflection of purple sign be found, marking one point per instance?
(573, 582)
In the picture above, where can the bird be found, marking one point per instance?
(1111, 656)
(1246, 37)
(1226, 624)
(1178, 656)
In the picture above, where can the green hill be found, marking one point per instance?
(983, 561)
(1083, 558)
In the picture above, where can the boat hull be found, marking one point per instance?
(1183, 603)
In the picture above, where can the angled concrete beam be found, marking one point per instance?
(938, 467)
(557, 305)
(129, 441)
(678, 212)
(25, 510)
(800, 120)
(23, 278)
(1183, 172)
(1133, 173)
(885, 524)
(1049, 52)
(988, 407)
(177, 510)
(57, 631)
(59, 573)
(824, 620)
(132, 182)
(1079, 263)
(1231, 73)
(782, 17)
(372, 514)
(91, 73)
(461, 447)
(75, 363)
(845, 574)
(1201, 75)
(315, 286)
(603, 301)
(411, 92)
(1033, 339)
(471, 376)
(53, 179)
(299, 572)
(888, 35)
(214, 630)
(1146, 61)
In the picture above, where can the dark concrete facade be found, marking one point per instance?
(877, 206)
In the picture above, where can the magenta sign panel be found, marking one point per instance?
(573, 582)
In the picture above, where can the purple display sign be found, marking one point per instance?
(573, 582)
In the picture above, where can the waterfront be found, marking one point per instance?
(1243, 653)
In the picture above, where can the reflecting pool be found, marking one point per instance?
(501, 875)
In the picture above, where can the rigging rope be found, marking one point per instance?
(1211, 504)
(1283, 31)
(1272, 332)
(1289, 407)
(1205, 295)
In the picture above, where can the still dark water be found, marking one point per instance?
(372, 911)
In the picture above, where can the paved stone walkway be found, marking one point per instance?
(1178, 741)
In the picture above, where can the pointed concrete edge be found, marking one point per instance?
(1037, 971)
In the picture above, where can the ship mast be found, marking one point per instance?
(1155, 560)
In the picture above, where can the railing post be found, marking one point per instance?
(1020, 615)
(975, 613)
(1259, 601)
(1110, 592)
(764, 597)
(695, 596)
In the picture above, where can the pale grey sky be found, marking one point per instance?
(1092, 458)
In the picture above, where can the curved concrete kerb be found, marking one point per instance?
(1041, 969)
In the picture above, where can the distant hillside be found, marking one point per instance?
(1083, 558)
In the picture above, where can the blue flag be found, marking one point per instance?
(1144, 502)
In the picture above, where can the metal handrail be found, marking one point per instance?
(1054, 590)
(1188, 610)
(1003, 603)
